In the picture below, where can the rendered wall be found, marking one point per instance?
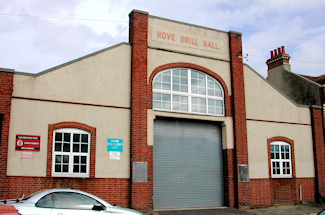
(188, 39)
(101, 79)
(94, 90)
(271, 114)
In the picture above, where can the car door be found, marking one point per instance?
(71, 203)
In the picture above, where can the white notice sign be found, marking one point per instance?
(115, 155)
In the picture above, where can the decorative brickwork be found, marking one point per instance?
(239, 115)
(6, 89)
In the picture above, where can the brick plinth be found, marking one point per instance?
(114, 191)
(6, 89)
(239, 116)
(267, 192)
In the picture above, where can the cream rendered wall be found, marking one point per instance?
(186, 38)
(271, 114)
(264, 102)
(259, 132)
(100, 79)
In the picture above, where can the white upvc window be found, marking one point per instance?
(281, 164)
(71, 153)
(189, 91)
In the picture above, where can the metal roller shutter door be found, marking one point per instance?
(188, 164)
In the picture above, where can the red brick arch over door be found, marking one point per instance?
(200, 68)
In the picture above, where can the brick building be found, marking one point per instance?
(172, 119)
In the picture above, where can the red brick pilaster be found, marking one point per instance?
(6, 89)
(141, 192)
(319, 150)
(239, 115)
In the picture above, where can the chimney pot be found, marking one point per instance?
(278, 58)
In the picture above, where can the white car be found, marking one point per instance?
(66, 202)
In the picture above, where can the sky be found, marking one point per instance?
(36, 35)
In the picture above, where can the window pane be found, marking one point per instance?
(57, 168)
(162, 81)
(58, 147)
(76, 138)
(68, 200)
(65, 168)
(83, 169)
(156, 85)
(84, 138)
(46, 202)
(58, 136)
(75, 168)
(83, 159)
(180, 103)
(66, 147)
(84, 148)
(198, 105)
(198, 83)
(195, 90)
(179, 81)
(66, 137)
(65, 158)
(76, 159)
(214, 88)
(58, 159)
(76, 148)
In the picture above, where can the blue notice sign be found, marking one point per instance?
(115, 145)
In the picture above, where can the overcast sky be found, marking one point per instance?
(30, 42)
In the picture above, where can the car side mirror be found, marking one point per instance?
(98, 207)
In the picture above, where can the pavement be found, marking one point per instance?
(300, 209)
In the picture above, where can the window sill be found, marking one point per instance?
(281, 177)
(70, 176)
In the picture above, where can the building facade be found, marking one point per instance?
(172, 119)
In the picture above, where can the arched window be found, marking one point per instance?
(71, 153)
(188, 90)
(281, 165)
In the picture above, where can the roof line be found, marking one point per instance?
(72, 61)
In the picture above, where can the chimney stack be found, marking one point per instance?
(278, 58)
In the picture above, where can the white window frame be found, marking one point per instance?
(189, 93)
(71, 154)
(281, 160)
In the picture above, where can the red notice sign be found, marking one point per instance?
(28, 142)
